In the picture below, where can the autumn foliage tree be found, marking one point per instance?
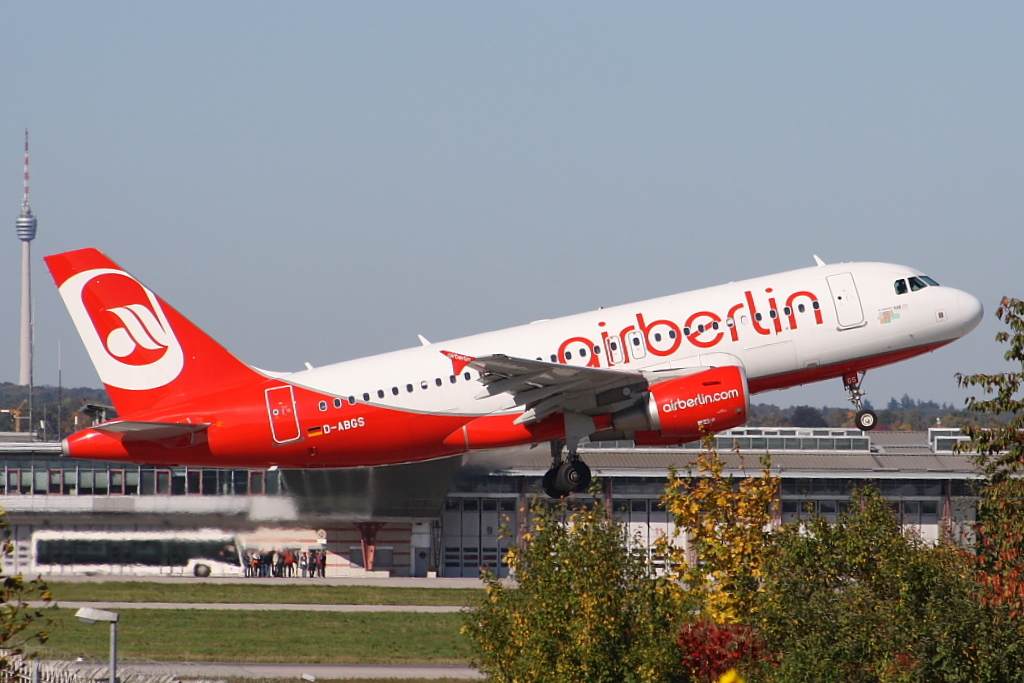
(998, 452)
(586, 607)
(21, 624)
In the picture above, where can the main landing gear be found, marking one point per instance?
(866, 420)
(565, 477)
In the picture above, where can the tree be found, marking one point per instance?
(20, 624)
(860, 601)
(586, 607)
(999, 455)
(806, 416)
(726, 525)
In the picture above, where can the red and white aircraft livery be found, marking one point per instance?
(658, 372)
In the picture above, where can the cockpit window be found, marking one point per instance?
(901, 286)
(916, 283)
(929, 281)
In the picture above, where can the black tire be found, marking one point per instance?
(550, 487)
(866, 420)
(573, 476)
(202, 570)
(585, 477)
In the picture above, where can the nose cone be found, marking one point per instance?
(971, 311)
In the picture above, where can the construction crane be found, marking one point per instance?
(16, 414)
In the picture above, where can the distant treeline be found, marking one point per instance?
(47, 404)
(905, 414)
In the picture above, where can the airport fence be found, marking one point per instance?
(21, 670)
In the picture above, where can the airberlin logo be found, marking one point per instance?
(124, 329)
(699, 400)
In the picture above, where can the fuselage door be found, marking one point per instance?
(284, 417)
(846, 300)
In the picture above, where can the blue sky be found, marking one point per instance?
(318, 182)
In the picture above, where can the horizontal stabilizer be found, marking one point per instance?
(149, 431)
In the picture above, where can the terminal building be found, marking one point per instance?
(457, 515)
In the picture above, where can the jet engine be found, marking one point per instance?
(684, 409)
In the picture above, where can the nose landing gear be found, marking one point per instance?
(866, 420)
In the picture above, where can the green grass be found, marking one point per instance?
(130, 591)
(286, 636)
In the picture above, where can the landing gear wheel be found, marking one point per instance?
(573, 477)
(550, 487)
(866, 420)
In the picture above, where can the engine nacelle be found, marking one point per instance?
(685, 409)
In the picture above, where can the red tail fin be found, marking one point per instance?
(146, 353)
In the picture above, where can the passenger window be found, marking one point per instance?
(351, 400)
(323, 405)
(437, 381)
(423, 384)
(394, 390)
(466, 375)
(452, 379)
(408, 387)
(337, 402)
(380, 393)
(366, 397)
(916, 284)
(901, 286)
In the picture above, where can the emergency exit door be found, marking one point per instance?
(846, 300)
(284, 418)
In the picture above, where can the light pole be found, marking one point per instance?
(90, 615)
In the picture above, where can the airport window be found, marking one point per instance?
(437, 381)
(408, 387)
(394, 391)
(323, 405)
(916, 284)
(900, 286)
(337, 403)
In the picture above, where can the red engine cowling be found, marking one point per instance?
(685, 409)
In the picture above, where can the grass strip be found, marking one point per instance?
(278, 637)
(131, 591)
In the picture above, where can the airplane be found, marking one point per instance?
(659, 372)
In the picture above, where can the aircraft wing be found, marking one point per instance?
(546, 388)
(149, 431)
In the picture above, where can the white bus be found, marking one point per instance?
(205, 552)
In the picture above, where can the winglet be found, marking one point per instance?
(459, 361)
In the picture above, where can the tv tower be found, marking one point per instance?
(26, 233)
